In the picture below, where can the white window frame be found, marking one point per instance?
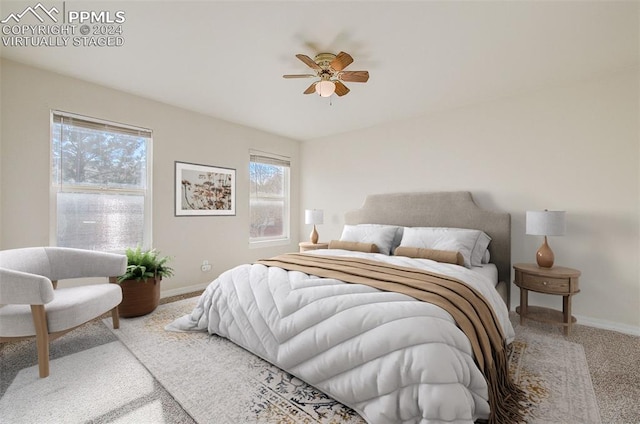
(275, 159)
(56, 186)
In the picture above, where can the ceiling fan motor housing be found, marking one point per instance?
(324, 59)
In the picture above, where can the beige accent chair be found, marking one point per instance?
(31, 305)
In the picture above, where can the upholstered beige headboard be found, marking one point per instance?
(443, 209)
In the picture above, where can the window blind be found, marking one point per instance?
(270, 160)
(99, 125)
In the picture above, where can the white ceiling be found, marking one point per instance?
(226, 59)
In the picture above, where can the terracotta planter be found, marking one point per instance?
(139, 297)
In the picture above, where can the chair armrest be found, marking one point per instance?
(79, 263)
(22, 288)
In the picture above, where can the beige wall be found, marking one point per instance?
(28, 95)
(572, 148)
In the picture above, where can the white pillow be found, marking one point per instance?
(380, 235)
(480, 248)
(396, 239)
(470, 243)
(486, 258)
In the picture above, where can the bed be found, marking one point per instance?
(399, 339)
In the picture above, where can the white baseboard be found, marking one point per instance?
(183, 290)
(608, 325)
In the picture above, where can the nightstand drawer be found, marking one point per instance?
(545, 284)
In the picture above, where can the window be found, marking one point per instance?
(101, 184)
(268, 197)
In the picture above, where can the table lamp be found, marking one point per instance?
(313, 216)
(545, 223)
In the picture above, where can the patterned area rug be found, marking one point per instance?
(216, 381)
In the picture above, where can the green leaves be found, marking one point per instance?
(145, 264)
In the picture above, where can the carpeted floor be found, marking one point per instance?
(614, 365)
(613, 358)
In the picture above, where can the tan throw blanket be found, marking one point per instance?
(470, 310)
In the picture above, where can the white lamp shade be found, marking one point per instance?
(546, 223)
(313, 216)
(325, 88)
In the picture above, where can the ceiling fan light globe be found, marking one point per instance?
(325, 88)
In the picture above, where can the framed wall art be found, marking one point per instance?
(203, 190)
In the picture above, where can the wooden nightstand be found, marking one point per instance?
(307, 245)
(557, 280)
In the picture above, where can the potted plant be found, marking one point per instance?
(141, 281)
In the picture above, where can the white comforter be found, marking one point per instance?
(390, 357)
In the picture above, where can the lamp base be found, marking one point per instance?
(313, 238)
(544, 255)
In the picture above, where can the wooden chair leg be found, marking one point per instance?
(115, 318)
(42, 338)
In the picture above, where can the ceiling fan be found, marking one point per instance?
(330, 69)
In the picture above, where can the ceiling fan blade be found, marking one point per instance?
(311, 89)
(309, 62)
(341, 89)
(354, 76)
(299, 76)
(341, 61)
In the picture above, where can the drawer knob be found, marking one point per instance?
(544, 283)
